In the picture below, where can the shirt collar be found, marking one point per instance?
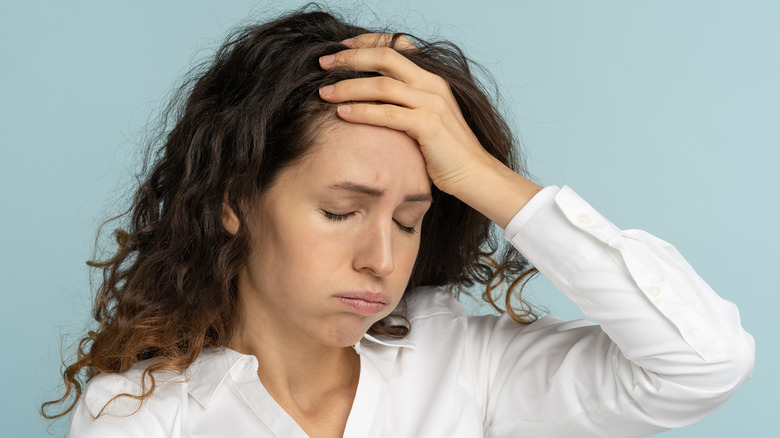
(388, 342)
(211, 368)
(382, 352)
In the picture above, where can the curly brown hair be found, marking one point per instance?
(169, 289)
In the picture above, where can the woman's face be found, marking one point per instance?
(336, 236)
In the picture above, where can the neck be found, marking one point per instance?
(299, 372)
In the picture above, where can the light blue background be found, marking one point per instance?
(664, 115)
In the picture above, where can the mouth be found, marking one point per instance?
(363, 302)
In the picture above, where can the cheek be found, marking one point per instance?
(285, 247)
(407, 255)
(318, 255)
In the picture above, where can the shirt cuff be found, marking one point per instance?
(542, 198)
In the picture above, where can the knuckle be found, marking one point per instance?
(351, 56)
(440, 84)
(386, 54)
(368, 40)
(389, 112)
(345, 57)
(384, 83)
(383, 40)
(338, 91)
(405, 43)
(439, 103)
(357, 111)
(434, 120)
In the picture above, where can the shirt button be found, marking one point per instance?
(654, 291)
(584, 219)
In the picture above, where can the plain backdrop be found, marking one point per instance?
(664, 115)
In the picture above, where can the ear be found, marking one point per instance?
(230, 221)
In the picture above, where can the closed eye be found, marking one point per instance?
(340, 217)
(405, 229)
(337, 217)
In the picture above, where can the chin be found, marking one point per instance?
(346, 335)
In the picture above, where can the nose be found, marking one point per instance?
(375, 251)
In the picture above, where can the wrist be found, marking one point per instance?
(495, 190)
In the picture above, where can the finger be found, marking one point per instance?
(382, 60)
(396, 41)
(389, 116)
(380, 88)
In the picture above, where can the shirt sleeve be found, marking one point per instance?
(666, 352)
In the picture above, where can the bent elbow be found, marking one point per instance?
(695, 390)
(716, 379)
(737, 367)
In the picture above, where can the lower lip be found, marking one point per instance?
(362, 307)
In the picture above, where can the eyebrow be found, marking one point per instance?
(376, 193)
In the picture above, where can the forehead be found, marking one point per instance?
(366, 154)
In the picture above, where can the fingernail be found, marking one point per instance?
(327, 60)
(326, 90)
(350, 42)
(344, 109)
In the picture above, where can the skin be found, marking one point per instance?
(346, 218)
(303, 258)
(420, 104)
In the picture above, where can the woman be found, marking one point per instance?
(290, 258)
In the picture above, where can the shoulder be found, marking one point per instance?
(435, 316)
(111, 406)
(430, 302)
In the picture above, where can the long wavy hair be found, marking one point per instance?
(169, 288)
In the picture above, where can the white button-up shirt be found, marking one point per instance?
(667, 351)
